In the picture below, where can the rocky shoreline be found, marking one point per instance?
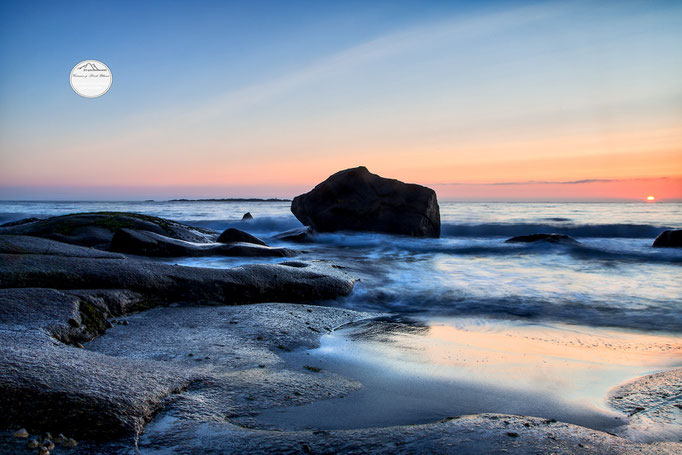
(68, 367)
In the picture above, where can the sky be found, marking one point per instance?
(502, 100)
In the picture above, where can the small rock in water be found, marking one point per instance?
(78, 345)
(70, 443)
(669, 239)
(125, 322)
(47, 436)
(22, 433)
(60, 438)
(43, 451)
(247, 216)
(32, 444)
(549, 238)
(109, 325)
(48, 444)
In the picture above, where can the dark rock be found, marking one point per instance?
(302, 234)
(669, 239)
(23, 244)
(145, 243)
(19, 222)
(551, 238)
(233, 235)
(247, 216)
(77, 391)
(97, 229)
(87, 394)
(357, 200)
(162, 283)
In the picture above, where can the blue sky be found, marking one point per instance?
(274, 96)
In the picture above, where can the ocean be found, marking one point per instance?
(612, 279)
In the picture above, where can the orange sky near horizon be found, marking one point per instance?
(510, 102)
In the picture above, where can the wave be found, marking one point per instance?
(276, 224)
(633, 231)
(653, 315)
(378, 245)
(267, 225)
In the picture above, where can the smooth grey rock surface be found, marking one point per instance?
(654, 404)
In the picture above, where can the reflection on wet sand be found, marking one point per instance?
(464, 366)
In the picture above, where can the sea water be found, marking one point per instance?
(613, 278)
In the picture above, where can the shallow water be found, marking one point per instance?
(467, 366)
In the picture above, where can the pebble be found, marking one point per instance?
(60, 438)
(43, 451)
(47, 436)
(48, 444)
(70, 443)
(32, 444)
(22, 433)
(78, 345)
(125, 322)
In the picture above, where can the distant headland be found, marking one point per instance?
(253, 199)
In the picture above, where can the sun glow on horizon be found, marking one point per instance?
(650, 198)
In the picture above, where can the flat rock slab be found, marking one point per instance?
(224, 357)
(163, 283)
(654, 404)
(22, 244)
(476, 434)
(46, 384)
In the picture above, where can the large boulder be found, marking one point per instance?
(549, 238)
(145, 243)
(357, 200)
(97, 229)
(669, 239)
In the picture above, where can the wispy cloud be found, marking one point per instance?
(547, 182)
(386, 46)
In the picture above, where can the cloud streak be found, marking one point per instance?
(548, 182)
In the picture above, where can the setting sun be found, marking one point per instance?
(650, 198)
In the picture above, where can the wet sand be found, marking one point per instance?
(414, 374)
